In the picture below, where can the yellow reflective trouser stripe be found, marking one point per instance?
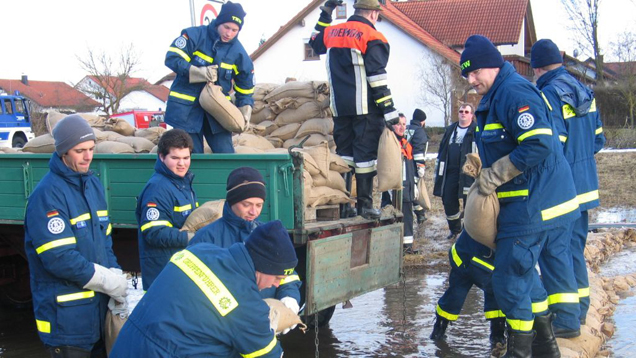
(546, 101)
(75, 296)
(448, 316)
(102, 212)
(365, 170)
(323, 24)
(182, 96)
(546, 131)
(109, 229)
(203, 56)
(43, 326)
(587, 197)
(563, 138)
(56, 243)
(519, 325)
(563, 298)
(538, 307)
(560, 209)
(483, 263)
(206, 280)
(593, 105)
(183, 208)
(385, 98)
(243, 90)
(82, 217)
(290, 278)
(493, 126)
(150, 224)
(568, 111)
(262, 351)
(180, 53)
(599, 130)
(584, 292)
(456, 258)
(494, 314)
(511, 194)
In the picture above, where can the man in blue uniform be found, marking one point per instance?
(205, 303)
(417, 137)
(74, 271)
(523, 164)
(578, 123)
(164, 205)
(214, 54)
(245, 197)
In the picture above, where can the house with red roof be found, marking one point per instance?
(139, 93)
(45, 95)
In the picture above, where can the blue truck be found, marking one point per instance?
(15, 121)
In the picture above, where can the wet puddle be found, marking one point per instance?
(616, 215)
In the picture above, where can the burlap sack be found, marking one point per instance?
(258, 106)
(269, 127)
(321, 155)
(480, 212)
(139, 144)
(100, 135)
(215, 103)
(262, 89)
(154, 149)
(52, 117)
(308, 183)
(335, 181)
(389, 162)
(315, 125)
(247, 150)
(120, 126)
(286, 132)
(306, 111)
(276, 142)
(250, 140)
(40, 144)
(152, 134)
(265, 114)
(338, 164)
(109, 147)
(255, 129)
(293, 89)
(423, 200)
(8, 151)
(281, 317)
(314, 139)
(112, 136)
(205, 214)
(322, 195)
(112, 327)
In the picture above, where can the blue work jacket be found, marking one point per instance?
(202, 46)
(230, 229)
(578, 123)
(67, 229)
(205, 303)
(162, 208)
(513, 119)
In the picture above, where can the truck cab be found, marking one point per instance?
(142, 119)
(15, 121)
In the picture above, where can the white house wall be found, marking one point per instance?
(141, 100)
(519, 48)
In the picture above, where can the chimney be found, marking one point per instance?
(25, 80)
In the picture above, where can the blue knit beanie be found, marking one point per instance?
(544, 53)
(231, 12)
(271, 249)
(478, 53)
(71, 131)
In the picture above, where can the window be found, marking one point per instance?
(19, 107)
(341, 12)
(310, 55)
(7, 106)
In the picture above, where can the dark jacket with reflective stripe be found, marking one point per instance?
(470, 252)
(573, 110)
(416, 135)
(357, 55)
(67, 230)
(201, 46)
(513, 119)
(177, 318)
(230, 229)
(162, 208)
(441, 164)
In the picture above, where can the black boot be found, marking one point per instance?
(439, 328)
(498, 331)
(421, 216)
(545, 344)
(365, 198)
(346, 211)
(519, 344)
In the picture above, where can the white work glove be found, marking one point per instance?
(203, 74)
(501, 172)
(420, 171)
(118, 308)
(111, 282)
(190, 236)
(417, 192)
(246, 111)
(292, 304)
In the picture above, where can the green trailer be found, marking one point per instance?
(338, 258)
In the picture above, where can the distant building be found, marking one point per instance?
(144, 96)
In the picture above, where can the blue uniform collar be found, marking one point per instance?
(214, 34)
(178, 181)
(57, 166)
(549, 76)
(232, 219)
(568, 89)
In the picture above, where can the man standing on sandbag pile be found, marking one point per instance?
(244, 201)
(451, 183)
(205, 303)
(523, 163)
(214, 54)
(74, 272)
(164, 205)
(361, 102)
(573, 110)
(416, 135)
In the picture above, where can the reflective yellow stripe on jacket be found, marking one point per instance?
(150, 224)
(43, 326)
(75, 296)
(180, 209)
(56, 243)
(183, 96)
(82, 217)
(262, 351)
(559, 210)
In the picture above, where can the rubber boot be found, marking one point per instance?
(545, 344)
(365, 198)
(421, 215)
(498, 331)
(346, 211)
(519, 344)
(439, 328)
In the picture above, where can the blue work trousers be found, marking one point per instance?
(220, 142)
(577, 247)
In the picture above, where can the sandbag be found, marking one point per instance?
(276, 142)
(389, 162)
(254, 141)
(100, 135)
(8, 151)
(281, 317)
(139, 144)
(322, 195)
(40, 144)
(265, 114)
(247, 150)
(423, 200)
(262, 89)
(205, 214)
(109, 147)
(112, 136)
(314, 139)
(306, 111)
(315, 125)
(338, 164)
(152, 134)
(293, 89)
(321, 155)
(214, 102)
(308, 183)
(334, 181)
(286, 132)
(52, 117)
(112, 327)
(155, 149)
(258, 106)
(480, 212)
(255, 129)
(269, 127)
(120, 126)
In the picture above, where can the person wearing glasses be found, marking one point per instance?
(450, 183)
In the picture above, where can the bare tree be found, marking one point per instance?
(112, 77)
(438, 80)
(584, 16)
(624, 49)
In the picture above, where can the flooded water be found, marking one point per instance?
(616, 215)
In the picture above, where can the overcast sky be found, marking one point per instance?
(41, 38)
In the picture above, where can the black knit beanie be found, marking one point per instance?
(544, 53)
(478, 53)
(231, 12)
(271, 249)
(244, 183)
(419, 116)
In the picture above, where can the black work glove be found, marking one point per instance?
(330, 5)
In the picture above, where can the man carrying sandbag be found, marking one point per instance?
(361, 101)
(524, 164)
(573, 110)
(213, 54)
(246, 194)
(205, 303)
(164, 205)
(416, 135)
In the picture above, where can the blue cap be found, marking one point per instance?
(544, 53)
(478, 53)
(271, 249)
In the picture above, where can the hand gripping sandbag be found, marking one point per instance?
(218, 106)
(480, 212)
(389, 162)
(206, 214)
(423, 198)
(281, 317)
